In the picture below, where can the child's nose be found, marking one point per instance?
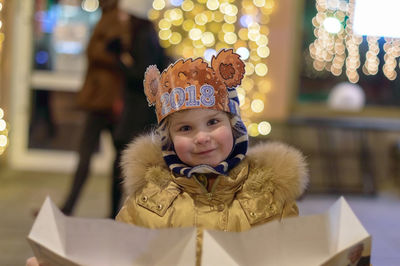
(202, 137)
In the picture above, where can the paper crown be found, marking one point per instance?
(192, 83)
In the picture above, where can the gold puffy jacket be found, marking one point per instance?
(263, 187)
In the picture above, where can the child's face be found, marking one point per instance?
(201, 136)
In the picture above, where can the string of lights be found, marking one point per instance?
(336, 46)
(3, 124)
(200, 28)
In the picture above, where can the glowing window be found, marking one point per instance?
(377, 18)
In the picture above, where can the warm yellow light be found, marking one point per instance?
(264, 86)
(175, 38)
(248, 83)
(241, 91)
(262, 40)
(241, 100)
(199, 52)
(261, 69)
(230, 37)
(253, 130)
(195, 34)
(201, 19)
(198, 44)
(253, 35)
(247, 4)
(158, 4)
(258, 95)
(336, 47)
(177, 22)
(3, 140)
(243, 34)
(187, 52)
(249, 68)
(241, 95)
(175, 14)
(187, 5)
(164, 34)
(218, 16)
(263, 51)
(165, 43)
(212, 4)
(3, 125)
(214, 27)
(221, 36)
(220, 45)
(231, 10)
(230, 19)
(153, 14)
(222, 7)
(257, 106)
(210, 15)
(208, 39)
(226, 27)
(264, 128)
(259, 3)
(246, 106)
(188, 25)
(164, 24)
(254, 56)
(254, 27)
(89, 5)
(198, 27)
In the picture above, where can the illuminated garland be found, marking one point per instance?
(337, 46)
(3, 133)
(3, 124)
(200, 28)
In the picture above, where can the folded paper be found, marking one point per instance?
(324, 239)
(333, 238)
(60, 240)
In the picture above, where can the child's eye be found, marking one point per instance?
(212, 122)
(184, 128)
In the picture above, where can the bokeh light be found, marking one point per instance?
(332, 25)
(3, 124)
(264, 128)
(90, 5)
(336, 47)
(200, 28)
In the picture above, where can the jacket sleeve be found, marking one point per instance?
(124, 215)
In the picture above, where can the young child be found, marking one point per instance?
(194, 171)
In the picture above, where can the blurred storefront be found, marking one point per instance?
(342, 116)
(46, 62)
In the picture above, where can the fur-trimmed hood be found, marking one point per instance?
(287, 165)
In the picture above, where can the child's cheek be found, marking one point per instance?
(181, 144)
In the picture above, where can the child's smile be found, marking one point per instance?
(201, 136)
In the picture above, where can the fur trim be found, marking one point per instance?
(141, 154)
(286, 165)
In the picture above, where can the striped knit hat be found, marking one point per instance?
(192, 84)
